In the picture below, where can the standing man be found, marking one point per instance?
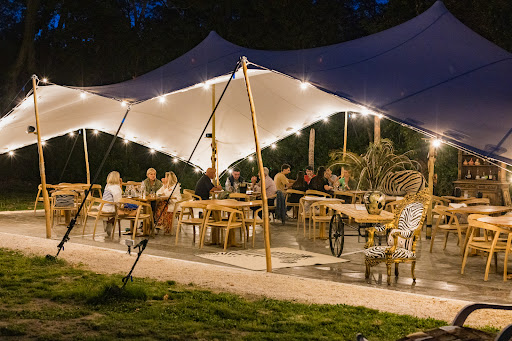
(234, 181)
(310, 174)
(205, 186)
(281, 180)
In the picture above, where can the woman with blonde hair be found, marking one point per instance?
(112, 193)
(170, 185)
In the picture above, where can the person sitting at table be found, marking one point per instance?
(165, 209)
(255, 183)
(281, 180)
(270, 189)
(299, 185)
(310, 174)
(347, 183)
(151, 184)
(112, 193)
(319, 182)
(205, 186)
(333, 179)
(234, 181)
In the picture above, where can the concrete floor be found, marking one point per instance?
(438, 273)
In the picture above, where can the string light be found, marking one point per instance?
(297, 133)
(437, 143)
(44, 80)
(43, 143)
(250, 158)
(206, 85)
(175, 160)
(161, 99)
(326, 119)
(197, 170)
(353, 115)
(71, 134)
(95, 132)
(304, 85)
(365, 112)
(273, 146)
(123, 104)
(126, 141)
(83, 95)
(152, 151)
(11, 153)
(230, 171)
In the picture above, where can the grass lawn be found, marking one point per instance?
(15, 196)
(52, 300)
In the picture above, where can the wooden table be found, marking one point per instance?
(456, 199)
(230, 203)
(480, 209)
(356, 195)
(504, 220)
(359, 214)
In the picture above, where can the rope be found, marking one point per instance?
(69, 157)
(143, 243)
(73, 221)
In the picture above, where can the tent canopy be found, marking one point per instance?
(431, 73)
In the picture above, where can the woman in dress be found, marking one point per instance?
(164, 211)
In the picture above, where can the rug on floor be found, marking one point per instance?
(282, 257)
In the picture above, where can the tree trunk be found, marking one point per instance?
(311, 154)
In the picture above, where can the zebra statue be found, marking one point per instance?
(402, 182)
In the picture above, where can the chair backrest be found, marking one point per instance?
(410, 212)
(189, 191)
(239, 196)
(318, 193)
(439, 201)
(321, 206)
(473, 222)
(391, 206)
(477, 201)
(64, 198)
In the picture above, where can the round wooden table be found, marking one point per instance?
(480, 209)
(504, 220)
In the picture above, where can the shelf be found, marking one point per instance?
(479, 166)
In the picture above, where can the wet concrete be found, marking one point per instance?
(438, 273)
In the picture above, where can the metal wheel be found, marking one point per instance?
(336, 235)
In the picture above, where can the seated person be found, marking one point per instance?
(347, 183)
(234, 181)
(310, 174)
(281, 180)
(255, 184)
(319, 182)
(204, 185)
(300, 185)
(164, 211)
(151, 184)
(112, 193)
(333, 179)
(270, 189)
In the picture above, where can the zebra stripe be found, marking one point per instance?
(380, 252)
(403, 182)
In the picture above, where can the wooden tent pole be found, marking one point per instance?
(345, 136)
(46, 199)
(260, 168)
(86, 158)
(214, 141)
(431, 163)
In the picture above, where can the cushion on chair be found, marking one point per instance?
(404, 239)
(410, 216)
(380, 252)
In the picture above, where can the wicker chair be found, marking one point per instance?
(404, 232)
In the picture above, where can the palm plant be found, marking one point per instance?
(371, 167)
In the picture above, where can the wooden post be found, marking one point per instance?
(260, 168)
(345, 136)
(86, 157)
(376, 129)
(46, 199)
(431, 163)
(311, 153)
(214, 141)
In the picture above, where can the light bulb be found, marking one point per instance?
(126, 141)
(197, 170)
(304, 85)
(44, 80)
(250, 158)
(95, 132)
(175, 160)
(297, 133)
(71, 134)
(437, 143)
(123, 104)
(161, 99)
(83, 95)
(11, 153)
(273, 146)
(326, 119)
(152, 151)
(230, 171)
(43, 143)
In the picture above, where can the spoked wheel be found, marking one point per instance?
(336, 235)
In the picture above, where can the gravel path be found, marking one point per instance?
(254, 283)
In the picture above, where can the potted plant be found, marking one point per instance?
(371, 169)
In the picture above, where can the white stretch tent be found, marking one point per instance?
(431, 73)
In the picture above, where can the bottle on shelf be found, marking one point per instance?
(477, 176)
(468, 176)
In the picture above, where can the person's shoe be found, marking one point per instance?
(157, 231)
(105, 225)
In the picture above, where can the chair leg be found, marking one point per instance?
(94, 231)
(413, 266)
(489, 258)
(367, 271)
(388, 268)
(226, 239)
(396, 269)
(178, 231)
(37, 200)
(464, 259)
(445, 239)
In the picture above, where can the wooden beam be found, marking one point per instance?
(431, 163)
(46, 199)
(345, 136)
(88, 172)
(376, 129)
(266, 229)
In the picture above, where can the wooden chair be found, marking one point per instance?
(295, 205)
(213, 219)
(477, 201)
(97, 188)
(302, 215)
(318, 193)
(39, 196)
(95, 210)
(490, 242)
(345, 194)
(192, 193)
(321, 214)
(452, 226)
(187, 218)
(255, 221)
(65, 201)
(240, 196)
(404, 232)
(143, 212)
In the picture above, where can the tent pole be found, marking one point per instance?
(214, 141)
(86, 158)
(345, 136)
(431, 163)
(376, 129)
(260, 168)
(42, 172)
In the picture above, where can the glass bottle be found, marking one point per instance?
(468, 176)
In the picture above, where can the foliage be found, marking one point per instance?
(372, 167)
(52, 300)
